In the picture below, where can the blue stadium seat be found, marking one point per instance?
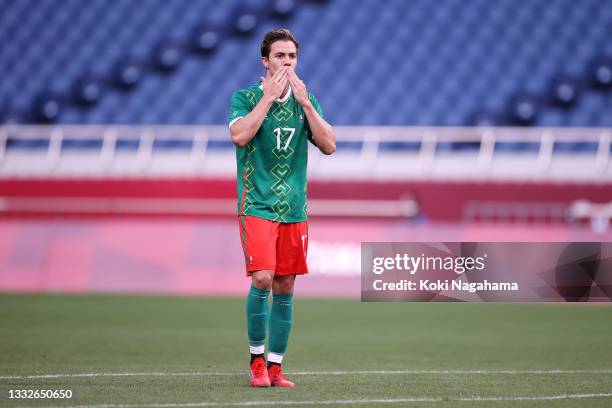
(46, 108)
(129, 73)
(88, 90)
(523, 110)
(167, 55)
(600, 72)
(452, 58)
(564, 91)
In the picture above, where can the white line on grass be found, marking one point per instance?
(311, 373)
(343, 402)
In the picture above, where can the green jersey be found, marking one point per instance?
(272, 166)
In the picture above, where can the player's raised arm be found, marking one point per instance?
(322, 132)
(244, 129)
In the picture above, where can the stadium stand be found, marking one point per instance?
(457, 120)
(177, 62)
(413, 65)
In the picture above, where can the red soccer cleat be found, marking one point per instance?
(277, 378)
(259, 373)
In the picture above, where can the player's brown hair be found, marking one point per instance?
(280, 34)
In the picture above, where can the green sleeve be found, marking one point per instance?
(240, 107)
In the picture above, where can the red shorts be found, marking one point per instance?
(276, 246)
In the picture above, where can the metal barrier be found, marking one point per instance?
(363, 152)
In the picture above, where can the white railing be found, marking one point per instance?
(367, 158)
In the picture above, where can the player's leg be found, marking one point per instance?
(291, 261)
(258, 237)
(257, 310)
(281, 317)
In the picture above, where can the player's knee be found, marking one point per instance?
(284, 285)
(262, 281)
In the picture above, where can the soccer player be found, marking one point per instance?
(271, 123)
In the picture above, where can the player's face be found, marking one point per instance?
(282, 53)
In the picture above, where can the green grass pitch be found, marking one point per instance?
(494, 353)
